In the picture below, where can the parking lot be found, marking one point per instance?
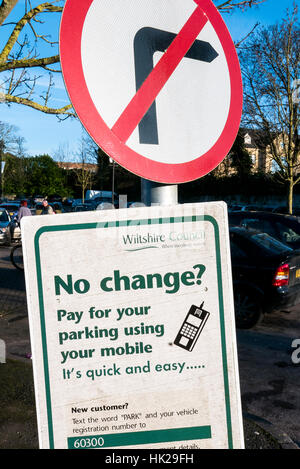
(269, 379)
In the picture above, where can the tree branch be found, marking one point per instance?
(43, 7)
(229, 5)
(66, 110)
(29, 63)
(237, 44)
(5, 8)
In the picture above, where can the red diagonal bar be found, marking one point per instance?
(147, 93)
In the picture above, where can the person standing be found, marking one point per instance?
(47, 209)
(23, 211)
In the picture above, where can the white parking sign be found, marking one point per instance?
(132, 328)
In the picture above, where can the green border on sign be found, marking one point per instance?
(117, 224)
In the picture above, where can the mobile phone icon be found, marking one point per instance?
(191, 327)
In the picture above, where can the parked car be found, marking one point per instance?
(92, 204)
(284, 210)
(11, 207)
(105, 206)
(285, 228)
(5, 220)
(234, 208)
(248, 208)
(67, 202)
(57, 207)
(82, 208)
(38, 198)
(54, 198)
(97, 200)
(76, 202)
(266, 275)
(15, 230)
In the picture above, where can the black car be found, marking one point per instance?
(285, 228)
(284, 210)
(266, 275)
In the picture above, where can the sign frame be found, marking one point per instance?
(127, 221)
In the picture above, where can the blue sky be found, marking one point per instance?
(267, 13)
(44, 133)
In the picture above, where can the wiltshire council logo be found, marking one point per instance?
(138, 241)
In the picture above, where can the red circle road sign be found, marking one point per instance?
(159, 91)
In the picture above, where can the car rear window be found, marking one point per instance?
(259, 224)
(288, 234)
(273, 246)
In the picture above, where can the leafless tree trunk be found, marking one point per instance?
(84, 174)
(270, 64)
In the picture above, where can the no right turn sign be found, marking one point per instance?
(156, 84)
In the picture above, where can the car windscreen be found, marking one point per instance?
(3, 216)
(272, 245)
(10, 208)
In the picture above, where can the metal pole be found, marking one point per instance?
(113, 184)
(1, 166)
(2, 177)
(158, 194)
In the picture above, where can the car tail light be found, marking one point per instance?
(282, 276)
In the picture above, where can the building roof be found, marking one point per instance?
(259, 138)
(70, 166)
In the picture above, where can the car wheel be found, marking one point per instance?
(248, 308)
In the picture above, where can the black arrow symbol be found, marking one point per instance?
(147, 41)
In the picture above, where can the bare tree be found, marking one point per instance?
(27, 53)
(8, 137)
(270, 64)
(84, 173)
(22, 63)
(229, 5)
(9, 142)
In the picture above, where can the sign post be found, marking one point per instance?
(132, 328)
(154, 193)
(2, 175)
